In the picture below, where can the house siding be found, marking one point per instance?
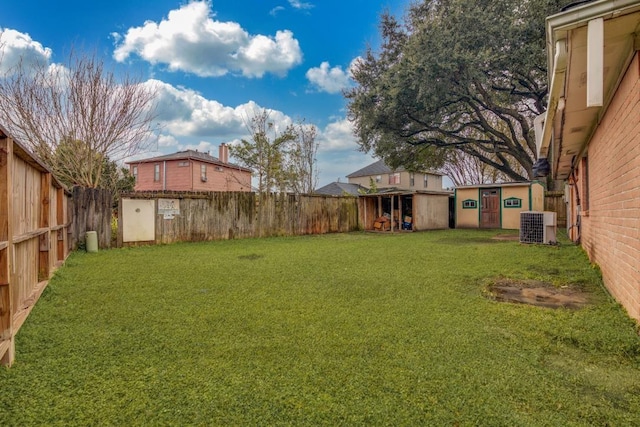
(467, 217)
(610, 228)
(188, 178)
(434, 182)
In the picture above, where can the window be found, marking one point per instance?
(412, 179)
(513, 202)
(378, 178)
(203, 173)
(469, 204)
(156, 172)
(135, 173)
(426, 181)
(394, 178)
(183, 164)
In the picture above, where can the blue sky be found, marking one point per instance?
(215, 63)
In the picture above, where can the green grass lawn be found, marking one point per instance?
(352, 329)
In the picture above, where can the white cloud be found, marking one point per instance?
(338, 152)
(326, 79)
(297, 4)
(190, 40)
(167, 141)
(337, 136)
(275, 10)
(186, 113)
(16, 46)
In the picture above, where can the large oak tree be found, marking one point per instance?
(455, 75)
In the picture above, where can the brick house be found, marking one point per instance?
(190, 170)
(385, 177)
(590, 135)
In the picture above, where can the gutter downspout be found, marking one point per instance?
(164, 176)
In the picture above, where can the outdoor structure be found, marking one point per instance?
(34, 236)
(397, 210)
(496, 205)
(590, 135)
(382, 176)
(341, 189)
(190, 171)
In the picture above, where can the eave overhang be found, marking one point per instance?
(570, 121)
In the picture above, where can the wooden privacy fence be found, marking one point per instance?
(92, 211)
(554, 202)
(151, 217)
(34, 236)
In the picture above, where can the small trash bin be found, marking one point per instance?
(92, 241)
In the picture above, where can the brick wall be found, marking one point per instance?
(185, 175)
(610, 229)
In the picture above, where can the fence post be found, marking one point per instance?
(7, 345)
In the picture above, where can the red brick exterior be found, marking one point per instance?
(185, 175)
(610, 194)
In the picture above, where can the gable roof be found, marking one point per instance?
(340, 189)
(190, 155)
(380, 168)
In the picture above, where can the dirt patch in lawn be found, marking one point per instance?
(536, 292)
(507, 237)
(251, 257)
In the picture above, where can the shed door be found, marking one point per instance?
(490, 209)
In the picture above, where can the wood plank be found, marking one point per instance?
(7, 346)
(30, 235)
(7, 352)
(27, 305)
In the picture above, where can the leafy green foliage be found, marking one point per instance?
(282, 160)
(455, 75)
(322, 330)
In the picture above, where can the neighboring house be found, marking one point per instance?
(382, 176)
(591, 135)
(496, 205)
(341, 189)
(190, 171)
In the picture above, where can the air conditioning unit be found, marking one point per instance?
(203, 178)
(538, 227)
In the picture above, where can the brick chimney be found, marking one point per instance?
(224, 153)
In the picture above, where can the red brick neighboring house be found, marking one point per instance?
(591, 135)
(190, 171)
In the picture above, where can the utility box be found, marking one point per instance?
(538, 227)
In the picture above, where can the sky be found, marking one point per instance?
(216, 63)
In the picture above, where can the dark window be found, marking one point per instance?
(469, 204)
(513, 202)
